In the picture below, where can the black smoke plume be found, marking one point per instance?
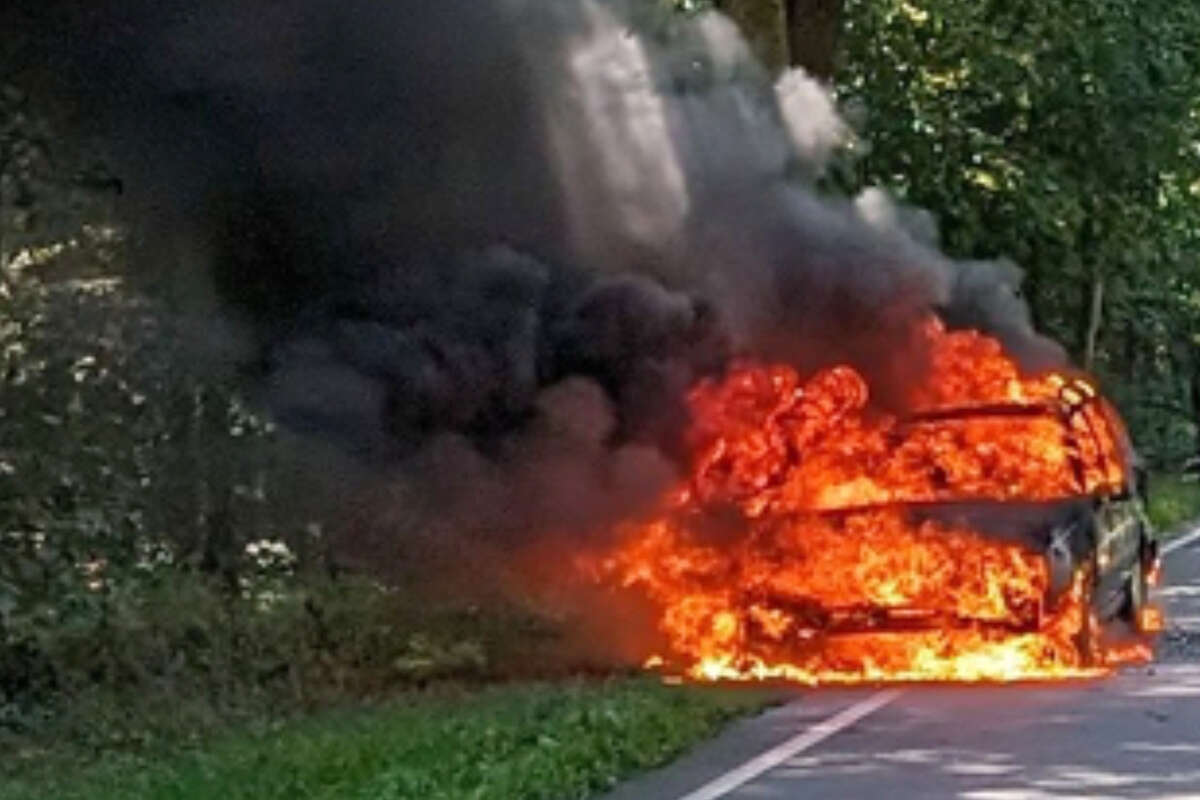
(493, 241)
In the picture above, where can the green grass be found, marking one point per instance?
(551, 741)
(1172, 501)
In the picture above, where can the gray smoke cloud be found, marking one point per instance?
(493, 241)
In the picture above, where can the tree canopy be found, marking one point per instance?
(1063, 136)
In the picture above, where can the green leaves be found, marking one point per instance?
(514, 743)
(124, 473)
(1063, 135)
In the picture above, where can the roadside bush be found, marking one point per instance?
(159, 570)
(1173, 501)
(179, 657)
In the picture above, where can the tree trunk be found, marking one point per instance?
(3, 221)
(1031, 290)
(763, 23)
(812, 33)
(1131, 349)
(1194, 391)
(1095, 316)
(3, 246)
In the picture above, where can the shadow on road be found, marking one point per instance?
(1132, 739)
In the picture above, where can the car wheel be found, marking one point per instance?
(1137, 591)
(1087, 639)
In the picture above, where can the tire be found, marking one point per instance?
(1135, 594)
(1087, 639)
(1137, 590)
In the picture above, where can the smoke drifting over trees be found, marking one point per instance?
(498, 239)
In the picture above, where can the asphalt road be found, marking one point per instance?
(1134, 735)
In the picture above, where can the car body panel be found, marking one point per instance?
(1101, 530)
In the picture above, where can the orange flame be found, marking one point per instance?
(792, 552)
(1150, 619)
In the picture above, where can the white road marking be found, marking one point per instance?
(797, 744)
(723, 785)
(1182, 541)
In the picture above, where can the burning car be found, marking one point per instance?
(989, 534)
(1094, 539)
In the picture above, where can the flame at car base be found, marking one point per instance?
(792, 551)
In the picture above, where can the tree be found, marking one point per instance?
(1062, 135)
(763, 23)
(782, 33)
(813, 28)
(24, 168)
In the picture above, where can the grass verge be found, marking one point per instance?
(1172, 501)
(547, 741)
